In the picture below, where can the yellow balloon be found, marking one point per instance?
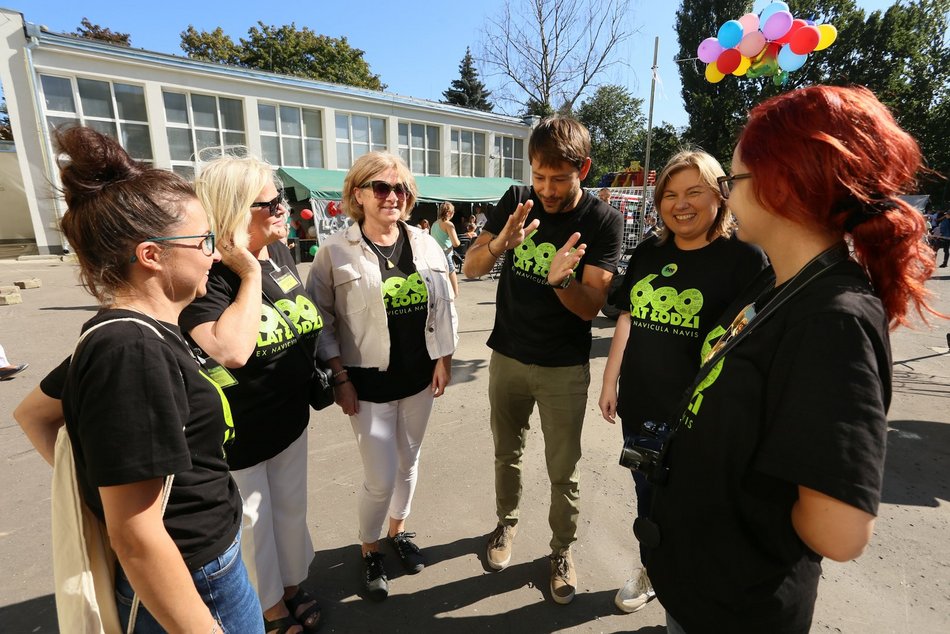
(828, 35)
(713, 76)
(744, 64)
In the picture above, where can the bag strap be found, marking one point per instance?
(169, 479)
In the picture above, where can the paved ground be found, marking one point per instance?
(902, 583)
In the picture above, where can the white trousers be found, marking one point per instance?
(276, 545)
(389, 436)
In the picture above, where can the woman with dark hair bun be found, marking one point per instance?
(776, 460)
(147, 425)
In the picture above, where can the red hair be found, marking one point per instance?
(835, 158)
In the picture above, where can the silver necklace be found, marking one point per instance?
(388, 258)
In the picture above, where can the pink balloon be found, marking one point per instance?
(805, 40)
(752, 43)
(749, 22)
(777, 25)
(728, 61)
(709, 50)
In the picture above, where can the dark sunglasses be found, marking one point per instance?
(726, 183)
(206, 245)
(273, 206)
(382, 189)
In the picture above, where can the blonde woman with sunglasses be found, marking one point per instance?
(257, 327)
(389, 335)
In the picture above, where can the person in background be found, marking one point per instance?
(136, 404)
(777, 459)
(444, 233)
(389, 335)
(424, 225)
(604, 195)
(560, 248)
(7, 369)
(688, 275)
(941, 234)
(257, 327)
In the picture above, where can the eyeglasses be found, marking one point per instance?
(206, 245)
(726, 183)
(273, 206)
(382, 189)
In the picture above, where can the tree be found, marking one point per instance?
(92, 31)
(666, 141)
(468, 90)
(549, 52)
(286, 50)
(901, 54)
(615, 120)
(6, 131)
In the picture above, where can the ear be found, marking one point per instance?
(585, 168)
(358, 195)
(149, 255)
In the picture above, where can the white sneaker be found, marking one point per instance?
(635, 594)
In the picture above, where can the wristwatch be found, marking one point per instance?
(567, 282)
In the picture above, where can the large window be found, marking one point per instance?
(117, 110)
(356, 135)
(198, 122)
(419, 148)
(468, 153)
(508, 157)
(291, 136)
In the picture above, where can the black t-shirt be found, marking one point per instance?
(801, 400)
(531, 323)
(407, 307)
(270, 395)
(674, 298)
(137, 407)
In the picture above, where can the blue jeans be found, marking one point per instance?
(224, 587)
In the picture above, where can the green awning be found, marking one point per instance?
(328, 185)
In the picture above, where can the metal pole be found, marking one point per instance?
(646, 161)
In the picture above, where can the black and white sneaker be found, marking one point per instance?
(374, 576)
(409, 554)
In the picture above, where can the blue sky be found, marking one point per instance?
(414, 45)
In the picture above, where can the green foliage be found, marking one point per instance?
(468, 90)
(92, 31)
(615, 120)
(665, 142)
(286, 50)
(6, 132)
(902, 54)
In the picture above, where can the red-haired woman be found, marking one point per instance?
(778, 457)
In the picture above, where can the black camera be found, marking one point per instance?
(644, 451)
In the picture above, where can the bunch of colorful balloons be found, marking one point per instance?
(770, 44)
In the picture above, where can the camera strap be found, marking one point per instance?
(750, 317)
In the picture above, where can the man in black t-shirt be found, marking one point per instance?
(560, 248)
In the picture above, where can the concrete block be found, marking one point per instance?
(30, 283)
(8, 299)
(9, 289)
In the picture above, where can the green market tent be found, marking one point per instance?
(328, 185)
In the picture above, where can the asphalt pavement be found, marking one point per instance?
(901, 584)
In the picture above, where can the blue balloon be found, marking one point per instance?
(790, 60)
(769, 10)
(730, 34)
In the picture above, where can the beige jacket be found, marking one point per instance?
(345, 283)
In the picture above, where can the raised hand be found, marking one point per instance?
(566, 259)
(515, 232)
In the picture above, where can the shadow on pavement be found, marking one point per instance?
(36, 616)
(915, 468)
(335, 577)
(466, 370)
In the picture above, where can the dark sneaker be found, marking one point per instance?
(409, 554)
(374, 576)
(499, 546)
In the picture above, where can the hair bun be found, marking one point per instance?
(91, 162)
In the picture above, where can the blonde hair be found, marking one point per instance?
(709, 170)
(226, 187)
(445, 209)
(363, 170)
